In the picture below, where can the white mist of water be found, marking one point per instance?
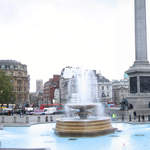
(83, 91)
(84, 87)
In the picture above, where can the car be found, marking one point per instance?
(38, 113)
(50, 110)
(59, 112)
(29, 112)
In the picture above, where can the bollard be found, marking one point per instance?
(51, 118)
(3, 119)
(46, 119)
(15, 118)
(27, 119)
(38, 119)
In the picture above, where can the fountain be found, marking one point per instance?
(84, 115)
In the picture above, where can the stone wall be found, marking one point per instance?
(29, 119)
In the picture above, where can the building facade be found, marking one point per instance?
(49, 89)
(39, 87)
(104, 89)
(120, 90)
(64, 90)
(56, 99)
(20, 79)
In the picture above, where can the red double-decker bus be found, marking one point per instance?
(58, 106)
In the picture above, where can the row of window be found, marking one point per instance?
(103, 87)
(104, 95)
(22, 97)
(20, 89)
(9, 67)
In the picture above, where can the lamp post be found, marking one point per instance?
(1, 92)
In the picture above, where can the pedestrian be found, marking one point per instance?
(148, 117)
(122, 117)
(8, 112)
(114, 116)
(139, 118)
(12, 112)
(134, 113)
(46, 119)
(20, 113)
(130, 118)
(143, 118)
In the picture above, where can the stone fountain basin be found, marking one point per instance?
(88, 127)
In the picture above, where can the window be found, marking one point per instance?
(3, 66)
(108, 94)
(15, 67)
(107, 87)
(11, 67)
(19, 82)
(103, 94)
(19, 88)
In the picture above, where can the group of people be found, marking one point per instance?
(135, 117)
(140, 117)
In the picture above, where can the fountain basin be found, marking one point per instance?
(82, 106)
(80, 128)
(83, 109)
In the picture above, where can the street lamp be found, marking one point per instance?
(1, 91)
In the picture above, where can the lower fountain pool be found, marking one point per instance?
(128, 137)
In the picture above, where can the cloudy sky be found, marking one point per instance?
(48, 35)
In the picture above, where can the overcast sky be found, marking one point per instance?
(48, 35)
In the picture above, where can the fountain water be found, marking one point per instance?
(84, 113)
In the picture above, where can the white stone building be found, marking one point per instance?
(56, 96)
(104, 89)
(39, 87)
(120, 90)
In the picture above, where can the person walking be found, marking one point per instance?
(134, 114)
(122, 117)
(139, 118)
(130, 119)
(113, 116)
(20, 112)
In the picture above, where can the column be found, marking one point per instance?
(140, 30)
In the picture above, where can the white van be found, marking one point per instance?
(50, 110)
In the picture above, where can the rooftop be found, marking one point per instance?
(9, 62)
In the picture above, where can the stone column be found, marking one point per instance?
(141, 66)
(140, 31)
